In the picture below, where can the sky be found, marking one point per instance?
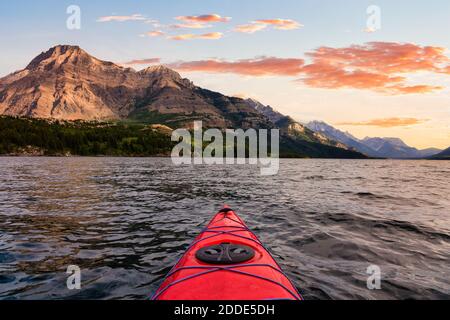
(372, 68)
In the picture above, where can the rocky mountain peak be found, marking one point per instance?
(166, 77)
(160, 70)
(55, 55)
(67, 56)
(268, 111)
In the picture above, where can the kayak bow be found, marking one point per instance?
(227, 262)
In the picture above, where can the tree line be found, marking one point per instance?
(81, 138)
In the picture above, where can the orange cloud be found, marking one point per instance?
(369, 30)
(134, 17)
(157, 33)
(190, 36)
(386, 123)
(250, 28)
(206, 18)
(332, 77)
(258, 25)
(386, 57)
(414, 89)
(281, 24)
(446, 70)
(141, 61)
(377, 66)
(265, 66)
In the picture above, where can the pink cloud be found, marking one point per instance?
(376, 66)
(205, 36)
(190, 25)
(157, 33)
(265, 66)
(142, 61)
(250, 28)
(281, 24)
(206, 18)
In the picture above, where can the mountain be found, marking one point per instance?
(292, 128)
(66, 83)
(444, 155)
(429, 152)
(268, 111)
(393, 148)
(343, 137)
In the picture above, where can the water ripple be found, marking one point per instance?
(125, 222)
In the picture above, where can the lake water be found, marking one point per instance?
(126, 221)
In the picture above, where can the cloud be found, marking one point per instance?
(156, 33)
(387, 122)
(206, 18)
(134, 17)
(369, 30)
(198, 22)
(190, 25)
(385, 57)
(258, 25)
(264, 66)
(414, 89)
(205, 36)
(377, 66)
(381, 67)
(280, 24)
(142, 61)
(250, 28)
(331, 77)
(446, 70)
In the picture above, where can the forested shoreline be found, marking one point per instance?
(28, 136)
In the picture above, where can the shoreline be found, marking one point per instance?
(168, 156)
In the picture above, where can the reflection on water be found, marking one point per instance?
(126, 221)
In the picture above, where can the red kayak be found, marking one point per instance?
(227, 262)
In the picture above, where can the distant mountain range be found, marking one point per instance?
(66, 83)
(393, 148)
(445, 155)
(291, 127)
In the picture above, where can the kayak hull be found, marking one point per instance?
(259, 278)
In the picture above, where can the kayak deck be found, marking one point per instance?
(256, 275)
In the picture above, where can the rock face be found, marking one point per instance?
(67, 83)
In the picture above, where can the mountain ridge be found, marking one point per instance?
(445, 154)
(377, 147)
(66, 83)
